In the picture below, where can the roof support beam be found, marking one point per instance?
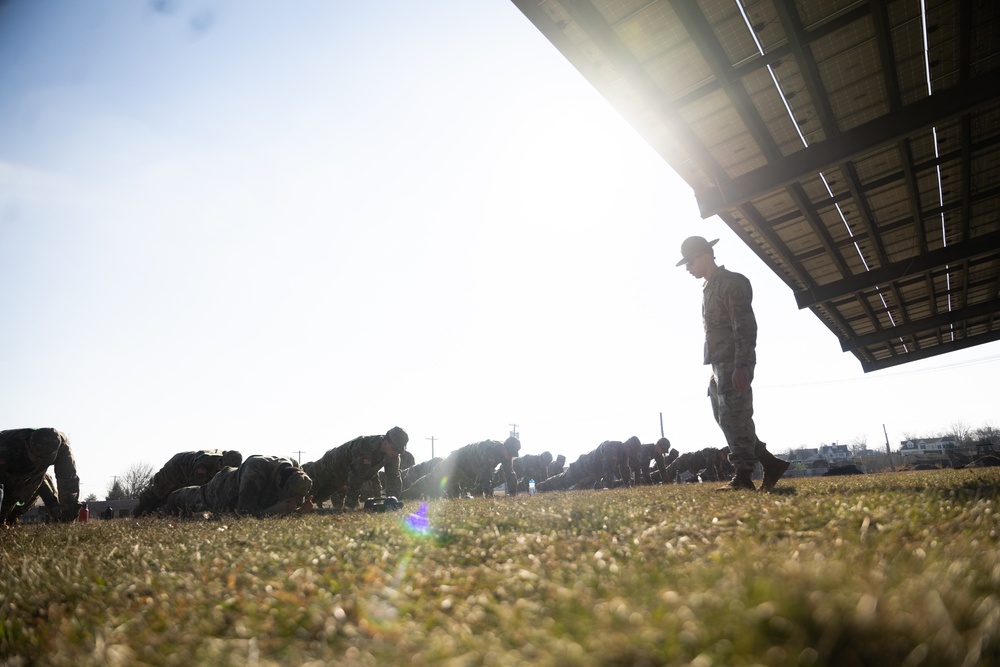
(986, 244)
(923, 325)
(959, 344)
(708, 45)
(789, 18)
(944, 105)
(913, 192)
(778, 52)
(778, 246)
(883, 28)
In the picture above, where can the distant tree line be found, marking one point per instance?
(964, 435)
(130, 483)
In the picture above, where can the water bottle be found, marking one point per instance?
(84, 513)
(531, 487)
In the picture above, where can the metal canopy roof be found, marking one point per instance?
(808, 127)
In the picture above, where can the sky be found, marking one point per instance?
(273, 228)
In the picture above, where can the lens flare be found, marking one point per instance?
(417, 523)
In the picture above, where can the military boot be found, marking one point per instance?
(773, 468)
(740, 482)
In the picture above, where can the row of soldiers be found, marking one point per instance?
(222, 481)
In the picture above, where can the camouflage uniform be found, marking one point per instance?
(615, 460)
(50, 497)
(25, 457)
(717, 464)
(416, 473)
(257, 485)
(184, 469)
(653, 452)
(341, 472)
(691, 462)
(470, 468)
(711, 463)
(731, 339)
(577, 475)
(406, 461)
(526, 468)
(664, 476)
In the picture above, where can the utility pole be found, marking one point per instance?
(432, 445)
(887, 450)
(662, 435)
(299, 459)
(513, 430)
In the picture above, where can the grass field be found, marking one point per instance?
(888, 569)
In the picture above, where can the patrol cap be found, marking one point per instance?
(297, 482)
(547, 458)
(398, 438)
(513, 445)
(43, 444)
(663, 444)
(232, 458)
(694, 247)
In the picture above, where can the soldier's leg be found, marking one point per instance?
(736, 420)
(416, 489)
(148, 501)
(21, 507)
(485, 485)
(733, 411)
(348, 499)
(771, 465)
(713, 396)
(607, 479)
(19, 498)
(551, 484)
(185, 501)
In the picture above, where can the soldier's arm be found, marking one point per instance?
(393, 479)
(508, 469)
(661, 465)
(637, 471)
(47, 492)
(643, 474)
(68, 483)
(608, 472)
(299, 505)
(353, 485)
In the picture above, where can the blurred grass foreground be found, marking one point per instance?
(887, 569)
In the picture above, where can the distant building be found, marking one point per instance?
(98, 510)
(827, 453)
(926, 448)
(834, 452)
(805, 454)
